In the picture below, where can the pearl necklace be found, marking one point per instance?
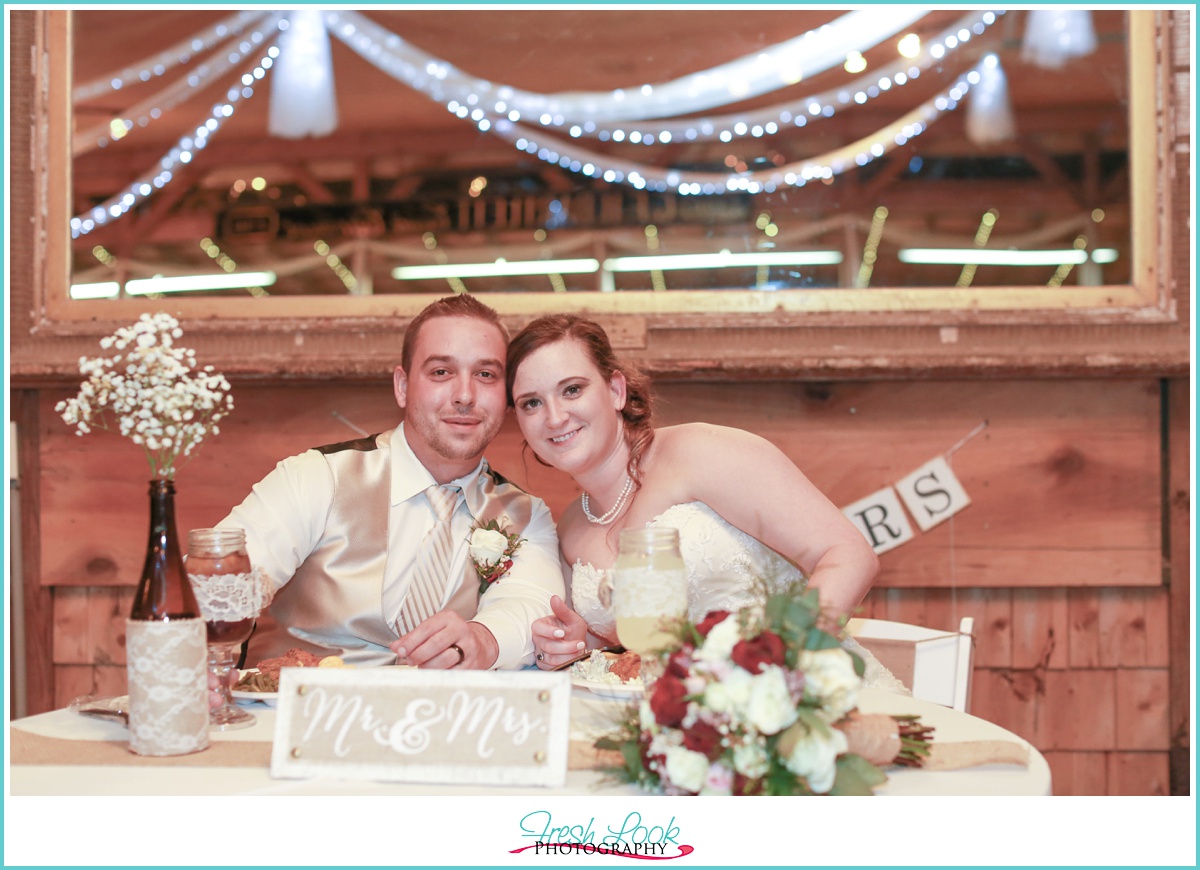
(612, 512)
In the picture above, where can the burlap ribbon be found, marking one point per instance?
(29, 748)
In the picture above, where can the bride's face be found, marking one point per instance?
(568, 413)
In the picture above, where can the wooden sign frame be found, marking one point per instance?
(410, 725)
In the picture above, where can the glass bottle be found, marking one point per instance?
(166, 656)
(163, 592)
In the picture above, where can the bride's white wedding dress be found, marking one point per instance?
(726, 569)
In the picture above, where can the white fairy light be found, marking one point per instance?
(181, 52)
(155, 179)
(858, 29)
(688, 183)
(899, 72)
(169, 97)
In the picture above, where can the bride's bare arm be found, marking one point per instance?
(756, 487)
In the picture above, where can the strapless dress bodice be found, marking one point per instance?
(725, 567)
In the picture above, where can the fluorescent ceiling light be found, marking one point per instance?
(184, 283)
(723, 260)
(101, 290)
(984, 257)
(497, 269)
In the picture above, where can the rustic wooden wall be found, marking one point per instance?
(1060, 556)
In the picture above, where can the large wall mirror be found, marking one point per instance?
(344, 163)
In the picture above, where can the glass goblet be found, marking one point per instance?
(231, 595)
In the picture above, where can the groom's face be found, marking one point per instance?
(453, 395)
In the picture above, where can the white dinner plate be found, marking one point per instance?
(613, 691)
(247, 698)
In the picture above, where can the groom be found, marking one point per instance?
(366, 541)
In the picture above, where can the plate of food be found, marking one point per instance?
(255, 687)
(260, 685)
(609, 675)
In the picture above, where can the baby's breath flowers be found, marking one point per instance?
(152, 392)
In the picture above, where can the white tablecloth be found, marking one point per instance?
(588, 713)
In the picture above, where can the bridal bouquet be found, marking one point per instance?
(760, 702)
(152, 392)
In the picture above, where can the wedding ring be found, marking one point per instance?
(461, 655)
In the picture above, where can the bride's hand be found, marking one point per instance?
(559, 638)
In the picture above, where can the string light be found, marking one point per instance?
(162, 173)
(763, 71)
(181, 52)
(823, 167)
(152, 108)
(583, 115)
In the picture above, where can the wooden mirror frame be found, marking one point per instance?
(830, 333)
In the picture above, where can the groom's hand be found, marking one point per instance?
(561, 637)
(436, 643)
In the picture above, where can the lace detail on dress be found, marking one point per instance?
(725, 570)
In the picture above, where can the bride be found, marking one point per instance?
(745, 513)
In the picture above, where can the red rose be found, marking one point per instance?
(744, 786)
(705, 739)
(711, 620)
(667, 701)
(756, 654)
(679, 664)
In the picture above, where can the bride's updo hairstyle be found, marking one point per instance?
(552, 328)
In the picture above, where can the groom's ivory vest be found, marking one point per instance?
(333, 605)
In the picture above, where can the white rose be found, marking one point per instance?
(487, 546)
(814, 757)
(770, 708)
(686, 769)
(731, 695)
(750, 760)
(829, 677)
(720, 641)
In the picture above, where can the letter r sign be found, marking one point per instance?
(881, 520)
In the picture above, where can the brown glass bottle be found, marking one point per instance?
(163, 592)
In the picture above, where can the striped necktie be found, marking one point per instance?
(432, 571)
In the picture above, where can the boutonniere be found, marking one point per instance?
(492, 548)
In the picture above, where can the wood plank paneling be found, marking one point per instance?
(1083, 644)
(993, 612)
(37, 603)
(1138, 773)
(1143, 711)
(1010, 699)
(1179, 530)
(1039, 628)
(1078, 773)
(1077, 710)
(1125, 628)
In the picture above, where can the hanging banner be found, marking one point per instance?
(881, 520)
(932, 493)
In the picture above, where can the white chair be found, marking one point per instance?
(936, 665)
